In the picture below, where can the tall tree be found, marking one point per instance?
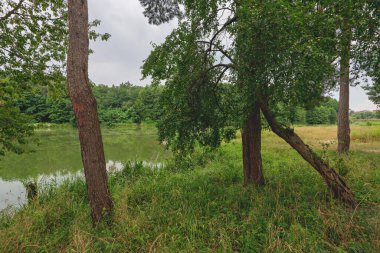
(369, 49)
(85, 109)
(251, 140)
(374, 93)
(210, 120)
(227, 58)
(358, 25)
(344, 81)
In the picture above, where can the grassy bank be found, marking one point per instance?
(207, 209)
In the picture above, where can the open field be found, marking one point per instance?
(207, 209)
(363, 138)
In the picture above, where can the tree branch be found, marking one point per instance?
(13, 11)
(221, 65)
(220, 49)
(221, 76)
(230, 21)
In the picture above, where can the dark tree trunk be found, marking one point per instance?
(251, 140)
(344, 94)
(334, 181)
(84, 106)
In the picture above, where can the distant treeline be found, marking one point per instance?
(366, 115)
(325, 113)
(128, 103)
(116, 104)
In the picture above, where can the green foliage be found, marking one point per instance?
(128, 103)
(33, 43)
(15, 126)
(360, 22)
(207, 209)
(281, 51)
(321, 115)
(112, 116)
(366, 24)
(33, 40)
(324, 112)
(116, 104)
(14, 129)
(365, 115)
(159, 12)
(32, 50)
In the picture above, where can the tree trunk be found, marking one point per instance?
(344, 94)
(84, 105)
(334, 181)
(251, 140)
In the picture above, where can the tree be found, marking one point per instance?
(32, 51)
(33, 40)
(278, 52)
(368, 50)
(160, 11)
(358, 26)
(33, 45)
(374, 93)
(344, 81)
(84, 105)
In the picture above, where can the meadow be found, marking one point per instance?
(206, 208)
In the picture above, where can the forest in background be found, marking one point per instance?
(128, 103)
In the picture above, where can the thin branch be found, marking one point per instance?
(221, 76)
(219, 49)
(220, 65)
(13, 11)
(230, 21)
(225, 8)
(39, 17)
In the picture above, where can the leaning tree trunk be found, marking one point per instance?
(334, 181)
(251, 139)
(84, 105)
(344, 93)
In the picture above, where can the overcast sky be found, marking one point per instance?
(119, 60)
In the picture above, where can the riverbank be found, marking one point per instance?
(206, 208)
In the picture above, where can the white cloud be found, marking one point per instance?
(119, 59)
(358, 99)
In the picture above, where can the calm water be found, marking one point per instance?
(55, 155)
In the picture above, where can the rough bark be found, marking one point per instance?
(251, 140)
(84, 105)
(344, 93)
(334, 181)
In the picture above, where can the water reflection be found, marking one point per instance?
(13, 193)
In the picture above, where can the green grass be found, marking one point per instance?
(368, 134)
(207, 209)
(366, 122)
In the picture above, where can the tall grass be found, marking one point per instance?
(207, 209)
(367, 134)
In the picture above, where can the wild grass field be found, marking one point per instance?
(207, 209)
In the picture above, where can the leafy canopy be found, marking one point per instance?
(226, 55)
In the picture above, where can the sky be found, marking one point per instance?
(120, 59)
